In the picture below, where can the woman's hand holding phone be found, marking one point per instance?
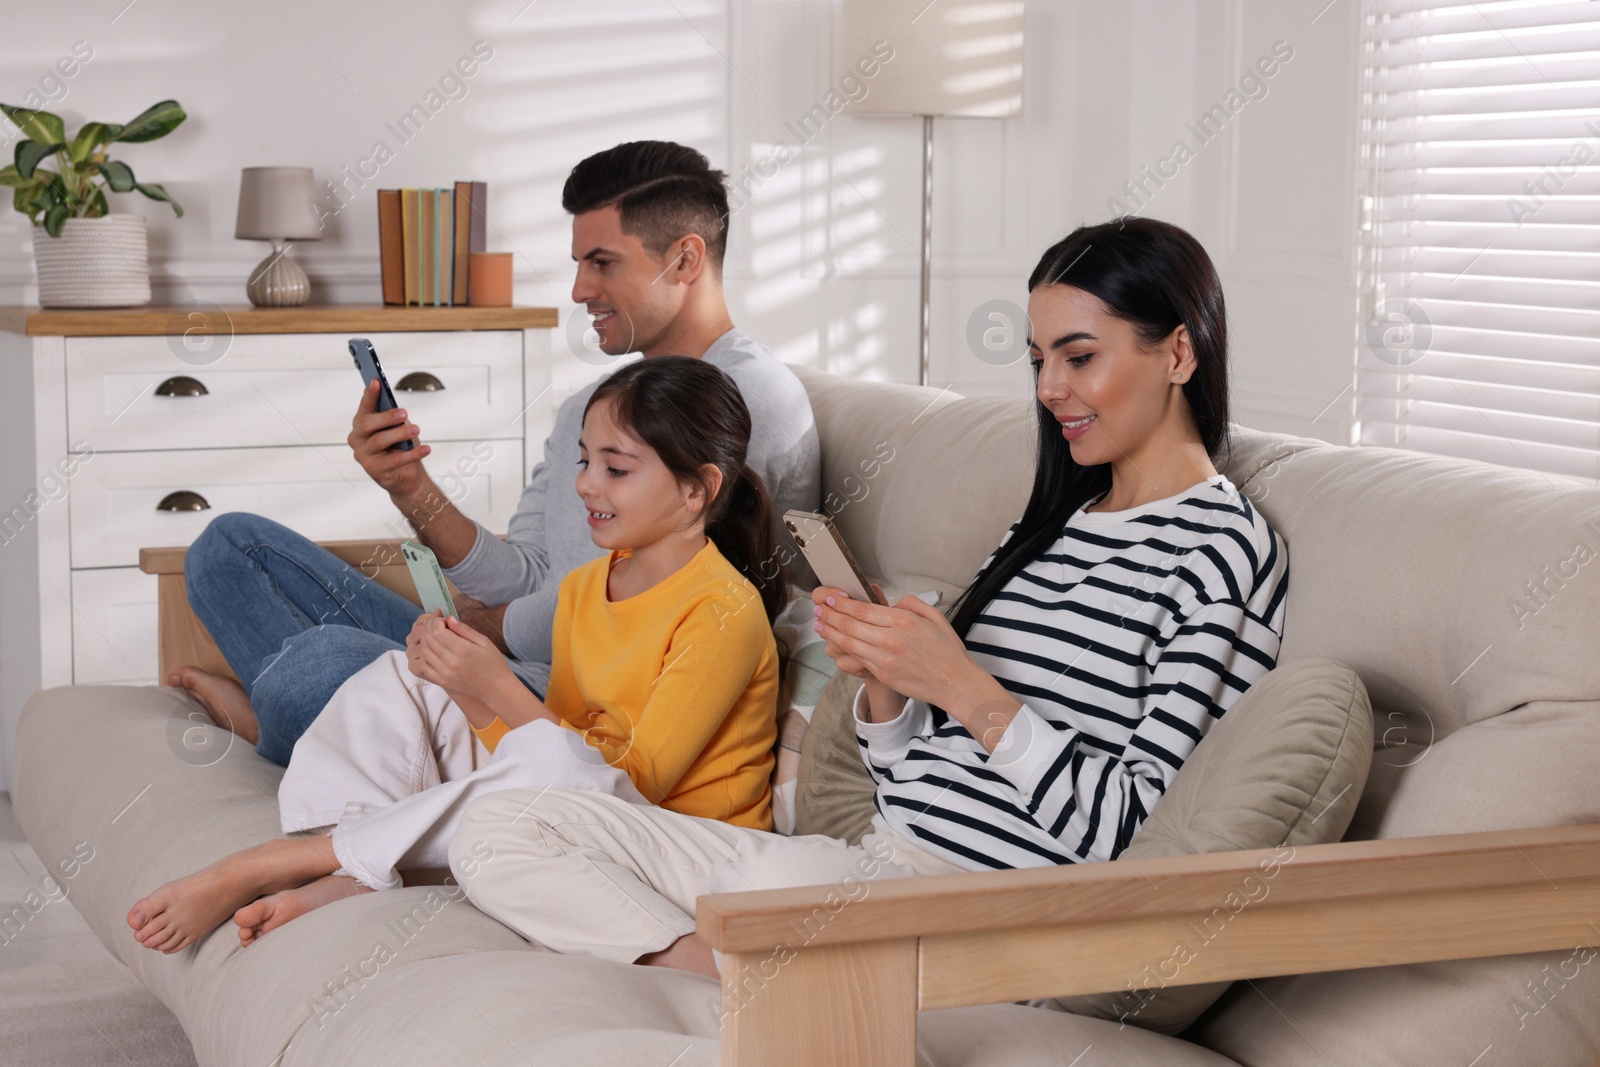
(820, 599)
(911, 650)
(373, 433)
(883, 703)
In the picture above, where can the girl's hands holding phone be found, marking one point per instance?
(467, 666)
(451, 654)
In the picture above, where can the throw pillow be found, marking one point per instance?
(833, 793)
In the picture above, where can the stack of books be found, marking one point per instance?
(425, 237)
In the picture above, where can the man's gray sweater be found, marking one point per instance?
(548, 537)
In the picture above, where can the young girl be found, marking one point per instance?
(663, 689)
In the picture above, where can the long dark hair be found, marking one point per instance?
(1157, 277)
(691, 413)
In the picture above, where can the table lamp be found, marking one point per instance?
(951, 58)
(276, 204)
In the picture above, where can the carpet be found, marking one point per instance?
(83, 1015)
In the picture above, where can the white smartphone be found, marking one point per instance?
(433, 590)
(830, 558)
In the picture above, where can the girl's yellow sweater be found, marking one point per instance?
(677, 686)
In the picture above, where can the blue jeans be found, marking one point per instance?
(291, 618)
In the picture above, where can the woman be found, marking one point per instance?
(1138, 596)
(662, 691)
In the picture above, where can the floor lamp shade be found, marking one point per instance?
(277, 204)
(950, 57)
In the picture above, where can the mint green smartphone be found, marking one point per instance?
(429, 578)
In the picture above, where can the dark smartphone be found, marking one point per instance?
(366, 358)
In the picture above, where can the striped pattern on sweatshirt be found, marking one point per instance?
(1124, 641)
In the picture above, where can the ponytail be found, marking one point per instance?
(741, 528)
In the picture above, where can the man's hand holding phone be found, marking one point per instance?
(374, 433)
(386, 444)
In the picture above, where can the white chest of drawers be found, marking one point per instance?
(128, 429)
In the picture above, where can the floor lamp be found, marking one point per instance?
(949, 58)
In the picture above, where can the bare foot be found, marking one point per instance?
(271, 912)
(688, 953)
(182, 912)
(223, 698)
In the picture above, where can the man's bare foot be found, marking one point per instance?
(271, 912)
(223, 698)
(183, 911)
(688, 953)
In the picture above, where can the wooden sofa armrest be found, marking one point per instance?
(183, 638)
(836, 973)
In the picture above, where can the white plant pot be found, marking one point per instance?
(95, 263)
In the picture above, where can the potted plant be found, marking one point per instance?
(85, 256)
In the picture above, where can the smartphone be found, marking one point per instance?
(366, 358)
(429, 578)
(830, 558)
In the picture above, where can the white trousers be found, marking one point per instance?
(586, 872)
(391, 763)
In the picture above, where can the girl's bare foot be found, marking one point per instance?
(183, 911)
(223, 698)
(271, 912)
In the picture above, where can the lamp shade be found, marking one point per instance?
(277, 204)
(951, 57)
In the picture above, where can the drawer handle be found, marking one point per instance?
(183, 500)
(182, 385)
(419, 381)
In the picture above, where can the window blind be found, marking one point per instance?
(1480, 244)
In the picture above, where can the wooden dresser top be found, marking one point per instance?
(326, 318)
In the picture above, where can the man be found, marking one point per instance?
(649, 230)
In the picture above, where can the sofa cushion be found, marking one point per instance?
(520, 1008)
(572, 1011)
(1457, 590)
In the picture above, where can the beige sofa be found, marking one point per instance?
(1464, 595)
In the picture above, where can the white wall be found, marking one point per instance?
(823, 264)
